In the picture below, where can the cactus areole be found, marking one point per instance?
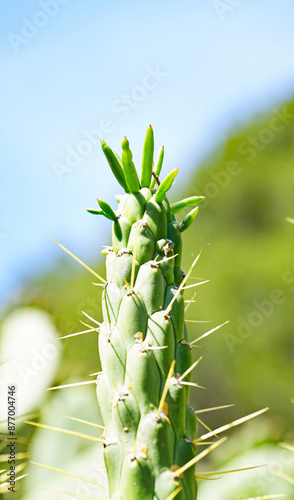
(143, 344)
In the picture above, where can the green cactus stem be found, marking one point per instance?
(150, 428)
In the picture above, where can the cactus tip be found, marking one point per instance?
(125, 143)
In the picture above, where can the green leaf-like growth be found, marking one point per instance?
(107, 210)
(158, 166)
(147, 162)
(94, 211)
(165, 185)
(129, 168)
(115, 165)
(186, 202)
(187, 221)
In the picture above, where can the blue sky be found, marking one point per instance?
(75, 71)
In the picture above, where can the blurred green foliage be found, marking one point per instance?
(65, 292)
(249, 259)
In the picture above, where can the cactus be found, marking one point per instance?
(146, 359)
(149, 432)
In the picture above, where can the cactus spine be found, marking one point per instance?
(143, 344)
